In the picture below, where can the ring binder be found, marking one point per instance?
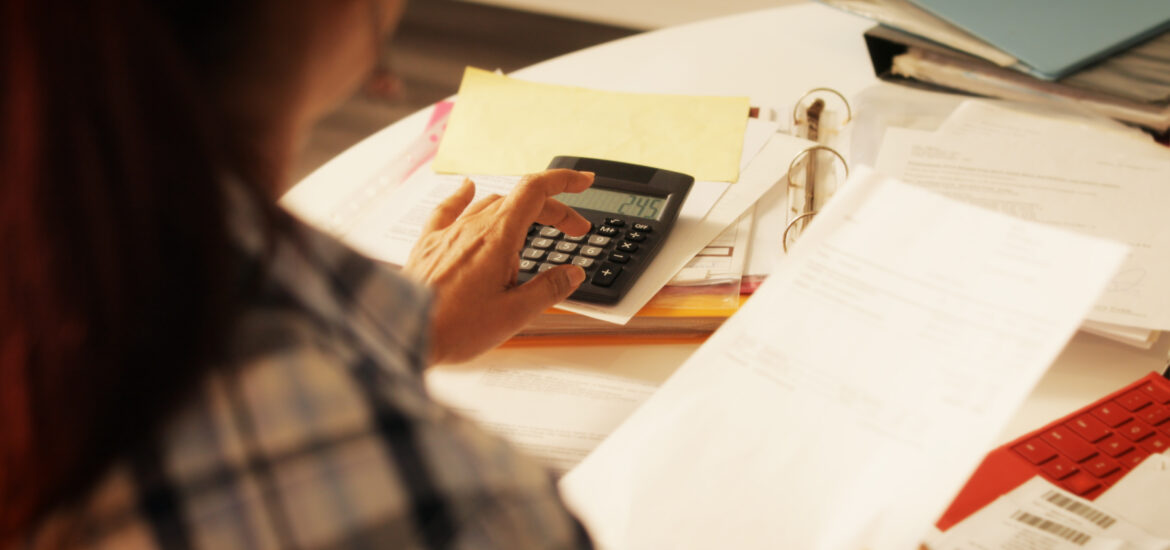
(812, 174)
(796, 107)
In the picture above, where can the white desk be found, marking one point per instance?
(773, 56)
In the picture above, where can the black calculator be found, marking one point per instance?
(632, 209)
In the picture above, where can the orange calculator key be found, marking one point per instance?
(1112, 415)
(1060, 468)
(1069, 443)
(1157, 393)
(1135, 400)
(1089, 428)
(1081, 483)
(1115, 446)
(1135, 431)
(1036, 451)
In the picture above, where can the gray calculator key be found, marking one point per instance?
(542, 243)
(550, 232)
(591, 251)
(544, 267)
(598, 240)
(577, 239)
(558, 258)
(532, 254)
(583, 262)
(567, 247)
(527, 266)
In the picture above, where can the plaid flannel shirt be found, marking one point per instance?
(322, 436)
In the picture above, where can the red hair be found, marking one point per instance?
(115, 264)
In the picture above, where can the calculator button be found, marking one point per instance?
(567, 247)
(558, 258)
(1135, 431)
(542, 243)
(616, 222)
(627, 246)
(527, 266)
(642, 227)
(576, 239)
(550, 232)
(1112, 415)
(1101, 466)
(1115, 446)
(1134, 400)
(1156, 392)
(544, 267)
(1060, 468)
(591, 251)
(1155, 415)
(1081, 484)
(1131, 460)
(1035, 451)
(1157, 444)
(583, 262)
(1088, 427)
(532, 254)
(598, 240)
(1069, 443)
(619, 258)
(608, 231)
(635, 236)
(606, 275)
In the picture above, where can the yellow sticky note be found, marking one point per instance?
(504, 126)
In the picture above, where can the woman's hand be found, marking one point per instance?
(470, 258)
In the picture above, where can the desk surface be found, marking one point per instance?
(774, 56)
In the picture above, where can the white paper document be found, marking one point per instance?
(1103, 194)
(582, 394)
(847, 402)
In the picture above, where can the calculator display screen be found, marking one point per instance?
(616, 202)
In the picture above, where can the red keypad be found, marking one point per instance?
(1088, 451)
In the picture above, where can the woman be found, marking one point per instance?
(182, 365)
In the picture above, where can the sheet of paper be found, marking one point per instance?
(847, 402)
(1040, 516)
(505, 126)
(581, 398)
(1015, 122)
(1106, 195)
(724, 258)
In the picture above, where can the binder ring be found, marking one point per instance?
(796, 108)
(809, 151)
(784, 237)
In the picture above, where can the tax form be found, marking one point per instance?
(1102, 192)
(847, 402)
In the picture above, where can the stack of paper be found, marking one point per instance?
(1068, 172)
(848, 400)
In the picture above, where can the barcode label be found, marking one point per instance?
(1094, 515)
(1067, 533)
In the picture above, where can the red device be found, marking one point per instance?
(1085, 452)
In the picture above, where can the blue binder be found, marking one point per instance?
(1053, 38)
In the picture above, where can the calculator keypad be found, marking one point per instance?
(609, 252)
